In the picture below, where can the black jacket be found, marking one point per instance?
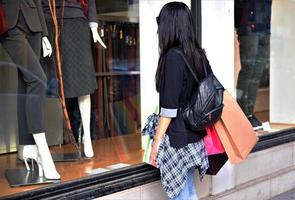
(31, 10)
(72, 9)
(253, 17)
(175, 92)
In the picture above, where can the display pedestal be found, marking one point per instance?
(65, 157)
(57, 157)
(60, 157)
(22, 177)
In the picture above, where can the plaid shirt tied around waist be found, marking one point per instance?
(174, 164)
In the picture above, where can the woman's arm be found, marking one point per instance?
(162, 127)
(169, 97)
(161, 130)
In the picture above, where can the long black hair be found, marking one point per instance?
(176, 29)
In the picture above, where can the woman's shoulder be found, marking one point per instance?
(174, 59)
(173, 53)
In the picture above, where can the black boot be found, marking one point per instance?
(256, 124)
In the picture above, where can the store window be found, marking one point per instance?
(264, 72)
(101, 87)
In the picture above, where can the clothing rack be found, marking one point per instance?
(117, 70)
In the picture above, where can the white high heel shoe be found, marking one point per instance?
(44, 159)
(29, 149)
(30, 152)
(47, 171)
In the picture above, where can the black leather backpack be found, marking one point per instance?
(205, 106)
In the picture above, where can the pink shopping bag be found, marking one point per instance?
(215, 151)
(212, 142)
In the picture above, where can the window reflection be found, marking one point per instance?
(252, 22)
(261, 42)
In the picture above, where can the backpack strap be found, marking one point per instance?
(188, 64)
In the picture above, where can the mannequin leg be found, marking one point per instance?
(32, 82)
(45, 159)
(85, 108)
(24, 137)
(248, 51)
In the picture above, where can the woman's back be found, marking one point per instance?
(175, 92)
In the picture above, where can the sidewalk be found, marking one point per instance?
(290, 195)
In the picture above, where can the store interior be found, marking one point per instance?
(115, 106)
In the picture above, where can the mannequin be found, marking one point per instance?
(26, 34)
(77, 18)
(253, 25)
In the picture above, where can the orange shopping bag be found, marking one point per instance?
(235, 131)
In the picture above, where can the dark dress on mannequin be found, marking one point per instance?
(75, 45)
(26, 25)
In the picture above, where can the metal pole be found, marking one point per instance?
(196, 7)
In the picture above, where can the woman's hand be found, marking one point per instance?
(162, 127)
(154, 153)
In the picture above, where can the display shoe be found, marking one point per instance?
(30, 153)
(256, 124)
(32, 149)
(88, 150)
(44, 158)
(46, 171)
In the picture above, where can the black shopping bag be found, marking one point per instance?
(216, 162)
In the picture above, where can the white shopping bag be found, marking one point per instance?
(148, 149)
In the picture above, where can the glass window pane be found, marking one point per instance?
(101, 87)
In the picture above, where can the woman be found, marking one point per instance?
(178, 151)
